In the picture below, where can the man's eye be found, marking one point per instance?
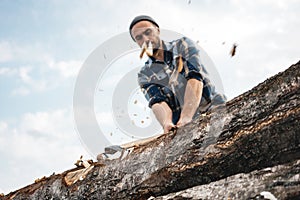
(148, 32)
(138, 37)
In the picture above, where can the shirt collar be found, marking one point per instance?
(168, 54)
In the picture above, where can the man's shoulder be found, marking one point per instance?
(183, 41)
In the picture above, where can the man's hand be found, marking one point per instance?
(168, 126)
(183, 121)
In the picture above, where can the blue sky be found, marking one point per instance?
(43, 45)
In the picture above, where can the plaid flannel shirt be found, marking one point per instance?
(154, 78)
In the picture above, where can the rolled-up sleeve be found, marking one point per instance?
(153, 92)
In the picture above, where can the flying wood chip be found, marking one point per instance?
(233, 50)
(174, 76)
(40, 179)
(146, 48)
(179, 62)
(142, 51)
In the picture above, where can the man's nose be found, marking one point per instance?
(145, 38)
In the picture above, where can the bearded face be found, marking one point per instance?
(145, 32)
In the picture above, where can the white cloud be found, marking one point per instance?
(3, 129)
(41, 72)
(48, 123)
(12, 51)
(66, 69)
(28, 83)
(45, 141)
(20, 91)
(260, 30)
(7, 71)
(24, 74)
(87, 30)
(5, 51)
(36, 79)
(36, 55)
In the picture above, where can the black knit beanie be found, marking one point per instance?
(141, 18)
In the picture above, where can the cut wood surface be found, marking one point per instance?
(254, 131)
(140, 142)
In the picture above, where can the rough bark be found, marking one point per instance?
(256, 130)
(281, 181)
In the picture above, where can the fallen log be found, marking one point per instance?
(280, 182)
(255, 130)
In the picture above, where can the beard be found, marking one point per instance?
(156, 45)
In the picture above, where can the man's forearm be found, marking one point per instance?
(192, 97)
(163, 114)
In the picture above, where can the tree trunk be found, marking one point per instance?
(256, 130)
(281, 181)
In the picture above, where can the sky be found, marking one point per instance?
(44, 44)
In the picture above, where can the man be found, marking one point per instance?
(174, 102)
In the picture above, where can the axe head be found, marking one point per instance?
(113, 149)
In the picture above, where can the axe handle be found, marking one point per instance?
(139, 142)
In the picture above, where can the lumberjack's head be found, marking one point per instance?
(143, 29)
